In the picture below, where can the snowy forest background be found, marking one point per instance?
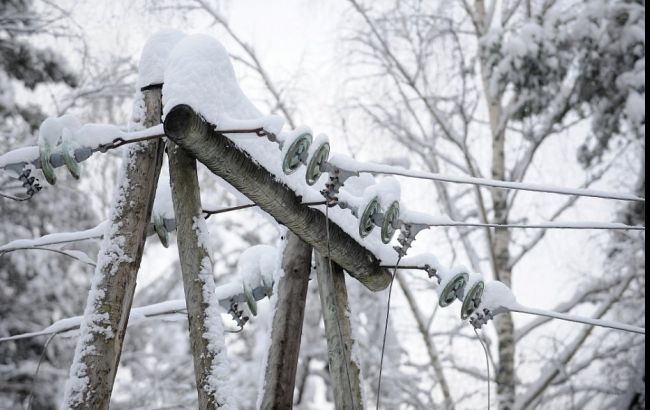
(544, 91)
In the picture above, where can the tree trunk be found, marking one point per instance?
(344, 370)
(109, 302)
(206, 330)
(505, 376)
(282, 363)
(199, 138)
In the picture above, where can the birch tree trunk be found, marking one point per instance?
(106, 316)
(206, 329)
(505, 376)
(505, 372)
(344, 370)
(282, 362)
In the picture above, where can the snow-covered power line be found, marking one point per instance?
(65, 141)
(374, 168)
(496, 298)
(578, 319)
(418, 218)
(320, 161)
(230, 295)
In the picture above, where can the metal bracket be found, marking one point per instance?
(30, 183)
(238, 315)
(338, 177)
(408, 232)
(479, 319)
(431, 272)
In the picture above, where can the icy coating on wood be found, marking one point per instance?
(104, 315)
(218, 381)
(95, 322)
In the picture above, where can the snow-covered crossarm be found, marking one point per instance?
(56, 238)
(224, 158)
(230, 297)
(418, 218)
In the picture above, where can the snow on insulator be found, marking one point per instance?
(295, 148)
(473, 295)
(452, 285)
(497, 295)
(162, 214)
(256, 267)
(50, 134)
(317, 156)
(379, 206)
(163, 204)
(497, 298)
(51, 128)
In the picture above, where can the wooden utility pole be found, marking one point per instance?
(291, 294)
(221, 156)
(98, 351)
(344, 370)
(196, 268)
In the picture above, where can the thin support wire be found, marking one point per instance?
(487, 364)
(16, 198)
(118, 142)
(209, 213)
(383, 344)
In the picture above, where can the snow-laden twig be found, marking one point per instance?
(74, 254)
(56, 239)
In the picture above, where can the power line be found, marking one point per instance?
(380, 169)
(578, 319)
(548, 225)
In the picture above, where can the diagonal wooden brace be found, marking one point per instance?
(221, 156)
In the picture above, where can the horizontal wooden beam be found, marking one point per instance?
(221, 156)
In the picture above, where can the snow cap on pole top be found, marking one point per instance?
(199, 74)
(154, 56)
